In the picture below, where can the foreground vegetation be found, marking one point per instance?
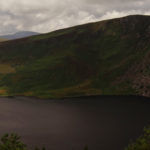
(142, 143)
(13, 142)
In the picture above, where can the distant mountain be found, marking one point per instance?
(109, 57)
(18, 35)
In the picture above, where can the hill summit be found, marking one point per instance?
(109, 57)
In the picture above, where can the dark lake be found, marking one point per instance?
(102, 123)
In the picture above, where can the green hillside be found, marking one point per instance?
(104, 58)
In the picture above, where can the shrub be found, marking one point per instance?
(13, 142)
(142, 143)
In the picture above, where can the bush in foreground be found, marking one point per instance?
(12, 142)
(142, 143)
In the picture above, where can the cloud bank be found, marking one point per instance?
(48, 15)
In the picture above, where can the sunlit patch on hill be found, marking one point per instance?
(6, 69)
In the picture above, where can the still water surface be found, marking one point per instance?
(102, 123)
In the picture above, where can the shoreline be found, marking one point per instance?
(80, 97)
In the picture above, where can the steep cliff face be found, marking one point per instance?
(110, 57)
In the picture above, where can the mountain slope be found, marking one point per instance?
(19, 35)
(105, 58)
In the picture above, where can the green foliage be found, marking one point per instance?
(142, 143)
(13, 142)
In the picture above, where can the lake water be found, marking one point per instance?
(102, 123)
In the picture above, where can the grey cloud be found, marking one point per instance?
(49, 15)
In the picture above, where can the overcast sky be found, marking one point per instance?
(48, 15)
